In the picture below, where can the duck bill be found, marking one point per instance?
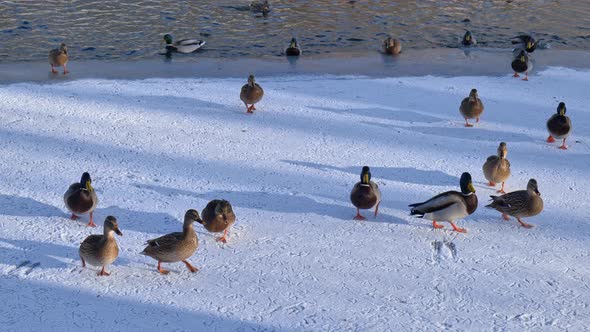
(471, 187)
(89, 186)
(118, 232)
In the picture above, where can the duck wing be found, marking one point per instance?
(511, 203)
(437, 203)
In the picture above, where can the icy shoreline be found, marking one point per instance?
(295, 260)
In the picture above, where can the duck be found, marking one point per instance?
(449, 206)
(183, 45)
(293, 49)
(218, 216)
(58, 57)
(527, 42)
(522, 64)
(471, 107)
(251, 93)
(519, 204)
(559, 126)
(101, 250)
(392, 46)
(365, 194)
(468, 39)
(80, 198)
(258, 6)
(497, 168)
(175, 247)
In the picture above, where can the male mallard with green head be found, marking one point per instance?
(522, 64)
(392, 46)
(449, 206)
(559, 126)
(175, 247)
(293, 49)
(80, 198)
(365, 194)
(218, 216)
(471, 107)
(101, 250)
(519, 204)
(468, 39)
(527, 42)
(183, 45)
(497, 168)
(251, 93)
(58, 57)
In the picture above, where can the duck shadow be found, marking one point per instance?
(140, 221)
(28, 255)
(394, 114)
(26, 207)
(399, 174)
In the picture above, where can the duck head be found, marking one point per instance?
(533, 188)
(365, 175)
(251, 80)
(223, 207)
(561, 108)
(293, 43)
(502, 150)
(111, 225)
(86, 182)
(168, 39)
(473, 95)
(466, 184)
(63, 48)
(191, 216)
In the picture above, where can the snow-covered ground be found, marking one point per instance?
(295, 259)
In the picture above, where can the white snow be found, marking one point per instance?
(295, 259)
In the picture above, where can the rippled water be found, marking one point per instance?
(133, 29)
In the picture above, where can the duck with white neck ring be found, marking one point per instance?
(365, 194)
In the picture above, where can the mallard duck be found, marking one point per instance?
(183, 45)
(527, 42)
(468, 39)
(80, 198)
(251, 93)
(58, 57)
(497, 168)
(519, 204)
(258, 6)
(175, 247)
(101, 250)
(521, 64)
(449, 206)
(365, 194)
(392, 46)
(471, 107)
(218, 216)
(559, 126)
(293, 49)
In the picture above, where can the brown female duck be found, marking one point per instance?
(218, 216)
(101, 250)
(251, 93)
(471, 107)
(392, 46)
(519, 204)
(58, 57)
(497, 168)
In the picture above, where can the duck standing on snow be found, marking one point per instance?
(497, 168)
(449, 206)
(58, 57)
(101, 250)
(365, 194)
(471, 107)
(80, 198)
(519, 204)
(258, 6)
(175, 247)
(527, 42)
(392, 46)
(522, 64)
(559, 126)
(218, 216)
(293, 49)
(251, 93)
(468, 39)
(183, 45)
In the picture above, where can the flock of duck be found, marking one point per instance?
(218, 215)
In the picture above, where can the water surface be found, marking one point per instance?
(127, 29)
